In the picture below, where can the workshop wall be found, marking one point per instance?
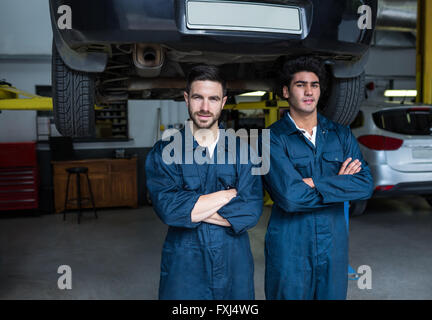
(390, 68)
(25, 74)
(25, 27)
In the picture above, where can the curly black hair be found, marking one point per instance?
(303, 63)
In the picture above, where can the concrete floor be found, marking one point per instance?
(118, 255)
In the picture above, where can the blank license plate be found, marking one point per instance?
(422, 154)
(242, 16)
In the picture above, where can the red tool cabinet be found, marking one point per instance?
(18, 176)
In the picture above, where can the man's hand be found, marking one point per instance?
(353, 167)
(229, 194)
(346, 168)
(309, 182)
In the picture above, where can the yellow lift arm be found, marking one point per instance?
(10, 100)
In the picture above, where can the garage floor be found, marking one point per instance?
(118, 255)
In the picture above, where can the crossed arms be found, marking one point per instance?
(205, 209)
(237, 209)
(293, 193)
(347, 168)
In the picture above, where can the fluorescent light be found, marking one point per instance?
(400, 93)
(253, 94)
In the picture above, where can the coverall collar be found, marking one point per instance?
(322, 124)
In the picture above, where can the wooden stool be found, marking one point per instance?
(79, 200)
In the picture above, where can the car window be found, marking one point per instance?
(411, 121)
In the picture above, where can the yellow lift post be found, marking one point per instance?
(271, 114)
(424, 49)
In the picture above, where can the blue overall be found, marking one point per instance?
(306, 244)
(202, 260)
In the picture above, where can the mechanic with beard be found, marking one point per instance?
(315, 165)
(208, 207)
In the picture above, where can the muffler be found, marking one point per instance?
(148, 59)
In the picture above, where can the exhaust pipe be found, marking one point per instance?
(397, 15)
(148, 59)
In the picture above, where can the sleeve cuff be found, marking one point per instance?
(189, 208)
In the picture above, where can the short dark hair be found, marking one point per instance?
(204, 72)
(303, 63)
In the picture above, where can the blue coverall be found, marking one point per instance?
(202, 260)
(306, 244)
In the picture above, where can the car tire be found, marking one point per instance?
(428, 200)
(357, 208)
(345, 95)
(73, 99)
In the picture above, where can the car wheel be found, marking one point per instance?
(73, 99)
(429, 200)
(344, 98)
(357, 208)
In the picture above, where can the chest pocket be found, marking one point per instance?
(303, 165)
(226, 176)
(191, 179)
(332, 162)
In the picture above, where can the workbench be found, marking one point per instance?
(113, 182)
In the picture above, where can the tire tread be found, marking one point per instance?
(73, 99)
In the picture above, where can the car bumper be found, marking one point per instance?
(408, 188)
(405, 183)
(327, 28)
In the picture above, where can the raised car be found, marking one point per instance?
(106, 51)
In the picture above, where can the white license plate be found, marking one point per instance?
(425, 153)
(242, 16)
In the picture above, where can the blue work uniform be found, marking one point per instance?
(202, 260)
(306, 244)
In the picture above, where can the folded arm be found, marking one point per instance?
(244, 211)
(208, 205)
(175, 205)
(354, 182)
(171, 202)
(286, 186)
(218, 220)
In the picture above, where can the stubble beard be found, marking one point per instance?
(200, 125)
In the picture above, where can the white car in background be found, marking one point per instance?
(396, 141)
